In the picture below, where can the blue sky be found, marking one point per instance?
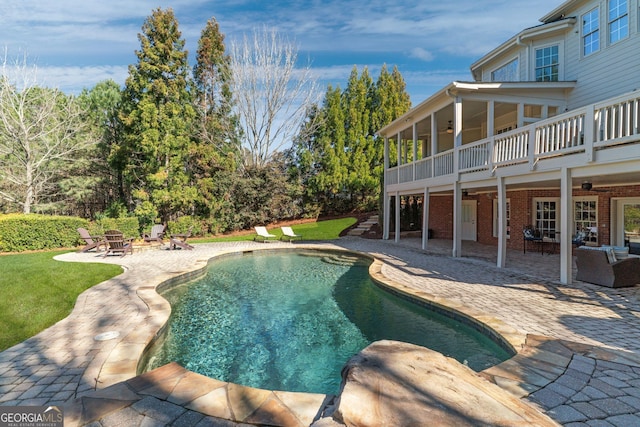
(77, 43)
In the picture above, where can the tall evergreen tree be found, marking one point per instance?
(215, 153)
(344, 158)
(102, 103)
(158, 117)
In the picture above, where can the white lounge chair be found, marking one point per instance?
(262, 233)
(288, 234)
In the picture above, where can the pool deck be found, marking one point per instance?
(578, 346)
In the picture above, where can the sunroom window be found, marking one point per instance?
(547, 68)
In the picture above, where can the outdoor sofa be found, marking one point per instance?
(600, 266)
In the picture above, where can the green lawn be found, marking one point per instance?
(36, 291)
(321, 230)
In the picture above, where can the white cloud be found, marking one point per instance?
(73, 79)
(422, 54)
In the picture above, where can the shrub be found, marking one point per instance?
(184, 223)
(128, 225)
(20, 232)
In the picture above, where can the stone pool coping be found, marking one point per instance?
(538, 361)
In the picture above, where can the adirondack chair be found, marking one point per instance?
(156, 234)
(91, 242)
(117, 244)
(180, 240)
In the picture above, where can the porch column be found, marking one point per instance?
(385, 196)
(425, 218)
(386, 214)
(457, 122)
(502, 223)
(397, 235)
(457, 221)
(434, 142)
(566, 227)
(491, 105)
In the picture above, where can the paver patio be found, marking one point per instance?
(579, 361)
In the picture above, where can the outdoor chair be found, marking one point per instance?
(289, 234)
(156, 234)
(532, 235)
(117, 244)
(262, 233)
(600, 266)
(180, 240)
(91, 242)
(580, 237)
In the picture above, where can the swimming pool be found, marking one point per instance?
(290, 320)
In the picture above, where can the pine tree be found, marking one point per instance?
(214, 155)
(158, 117)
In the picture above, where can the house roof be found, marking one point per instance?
(456, 88)
(561, 11)
(532, 33)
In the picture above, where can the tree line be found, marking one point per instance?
(244, 137)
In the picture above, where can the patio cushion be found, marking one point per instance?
(611, 256)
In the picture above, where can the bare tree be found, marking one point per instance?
(42, 132)
(271, 94)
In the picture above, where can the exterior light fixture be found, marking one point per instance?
(450, 128)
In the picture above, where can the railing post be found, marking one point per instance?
(532, 143)
(589, 132)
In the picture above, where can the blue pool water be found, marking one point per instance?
(285, 320)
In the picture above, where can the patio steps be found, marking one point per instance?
(363, 227)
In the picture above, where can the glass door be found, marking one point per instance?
(631, 221)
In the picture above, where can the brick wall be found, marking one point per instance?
(521, 203)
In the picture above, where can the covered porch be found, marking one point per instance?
(533, 264)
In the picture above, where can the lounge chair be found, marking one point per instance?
(156, 234)
(91, 242)
(262, 233)
(180, 240)
(117, 244)
(288, 234)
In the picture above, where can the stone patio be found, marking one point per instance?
(577, 344)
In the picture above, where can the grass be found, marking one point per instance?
(38, 291)
(321, 230)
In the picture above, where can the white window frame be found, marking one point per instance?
(495, 218)
(618, 18)
(516, 76)
(557, 63)
(534, 215)
(592, 223)
(593, 32)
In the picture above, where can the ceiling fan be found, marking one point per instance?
(588, 186)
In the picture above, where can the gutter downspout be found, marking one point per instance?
(519, 42)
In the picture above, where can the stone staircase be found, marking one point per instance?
(363, 227)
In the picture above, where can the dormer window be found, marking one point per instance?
(547, 64)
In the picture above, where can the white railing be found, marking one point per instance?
(597, 126)
(443, 163)
(511, 147)
(475, 156)
(391, 176)
(564, 134)
(406, 173)
(617, 120)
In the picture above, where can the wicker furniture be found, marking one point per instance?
(600, 266)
